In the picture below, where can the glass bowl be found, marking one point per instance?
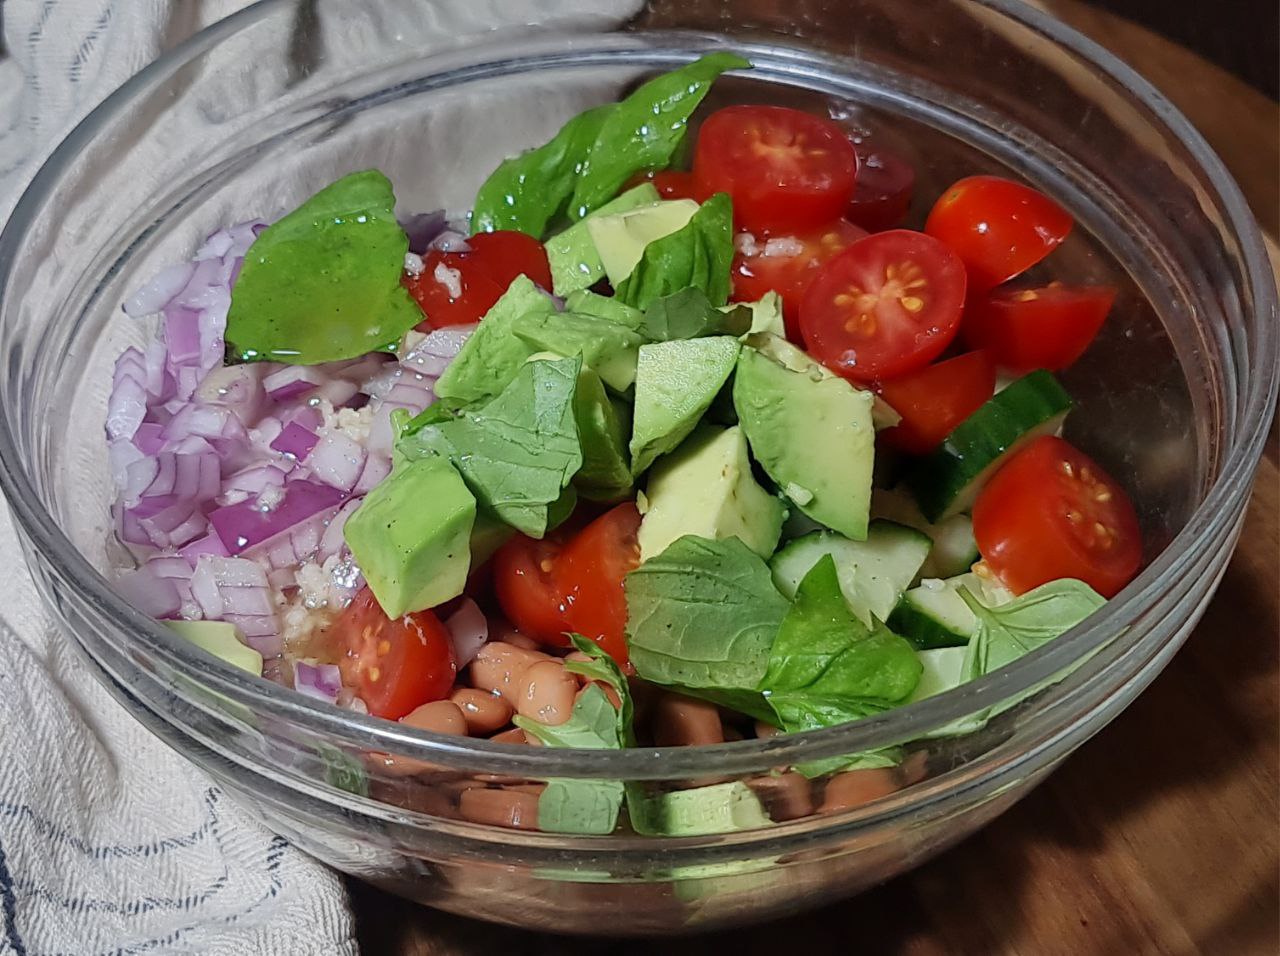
(258, 111)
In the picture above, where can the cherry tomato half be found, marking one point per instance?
(999, 228)
(590, 572)
(397, 665)
(549, 587)
(887, 305)
(785, 170)
(670, 183)
(882, 194)
(478, 277)
(787, 264)
(1051, 512)
(934, 400)
(1049, 328)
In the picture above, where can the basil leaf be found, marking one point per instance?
(492, 356)
(323, 282)
(528, 191)
(871, 760)
(702, 614)
(645, 129)
(517, 453)
(689, 314)
(826, 667)
(604, 668)
(342, 770)
(580, 806)
(698, 256)
(1011, 630)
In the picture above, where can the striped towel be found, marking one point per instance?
(109, 842)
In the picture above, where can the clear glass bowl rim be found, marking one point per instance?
(1220, 507)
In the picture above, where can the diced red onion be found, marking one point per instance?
(376, 468)
(422, 228)
(160, 481)
(210, 544)
(148, 438)
(449, 240)
(337, 392)
(468, 630)
(127, 406)
(174, 526)
(235, 590)
(337, 460)
(163, 287)
(281, 578)
(242, 525)
(294, 546)
(332, 541)
(236, 387)
(295, 441)
(359, 369)
(148, 593)
(251, 481)
(292, 381)
(432, 355)
(321, 681)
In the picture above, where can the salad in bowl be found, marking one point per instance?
(678, 437)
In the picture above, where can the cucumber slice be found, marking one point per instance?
(947, 481)
(954, 548)
(943, 671)
(934, 615)
(873, 573)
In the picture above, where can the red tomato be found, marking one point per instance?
(999, 228)
(590, 572)
(790, 275)
(523, 582)
(887, 305)
(786, 170)
(397, 665)
(934, 400)
(1051, 512)
(479, 277)
(548, 587)
(670, 183)
(1026, 329)
(882, 194)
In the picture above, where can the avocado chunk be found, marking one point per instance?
(705, 488)
(575, 263)
(766, 315)
(675, 384)
(603, 425)
(811, 432)
(607, 348)
(493, 355)
(411, 536)
(222, 640)
(620, 238)
(586, 302)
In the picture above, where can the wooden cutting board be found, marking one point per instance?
(1158, 836)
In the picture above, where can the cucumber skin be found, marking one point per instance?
(922, 631)
(940, 480)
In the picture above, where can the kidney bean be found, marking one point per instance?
(500, 808)
(765, 731)
(853, 788)
(685, 722)
(786, 796)
(546, 693)
(499, 667)
(484, 712)
(437, 717)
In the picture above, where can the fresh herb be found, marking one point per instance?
(518, 453)
(689, 314)
(605, 669)
(826, 667)
(645, 129)
(527, 191)
(1011, 630)
(603, 425)
(703, 614)
(493, 354)
(580, 806)
(607, 348)
(696, 256)
(872, 760)
(342, 770)
(323, 282)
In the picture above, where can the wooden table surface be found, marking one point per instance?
(1162, 834)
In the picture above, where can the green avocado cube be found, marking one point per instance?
(575, 263)
(411, 536)
(675, 384)
(221, 640)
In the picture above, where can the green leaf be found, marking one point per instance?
(517, 453)
(342, 770)
(697, 256)
(826, 667)
(323, 282)
(871, 760)
(604, 668)
(689, 314)
(703, 614)
(1011, 630)
(580, 806)
(603, 426)
(527, 191)
(645, 129)
(492, 356)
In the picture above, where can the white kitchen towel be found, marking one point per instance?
(109, 841)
